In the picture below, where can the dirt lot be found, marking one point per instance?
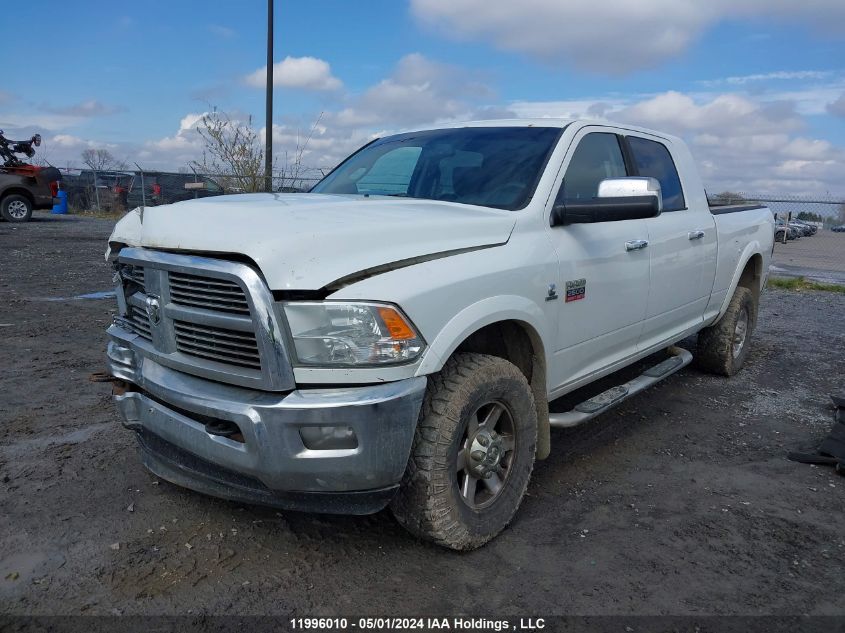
(679, 502)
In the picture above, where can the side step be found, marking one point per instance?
(597, 405)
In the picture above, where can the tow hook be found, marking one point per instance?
(118, 387)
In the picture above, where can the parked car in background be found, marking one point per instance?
(24, 187)
(805, 228)
(798, 228)
(812, 227)
(838, 229)
(792, 232)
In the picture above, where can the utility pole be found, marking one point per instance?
(268, 129)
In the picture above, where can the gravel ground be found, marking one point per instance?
(679, 502)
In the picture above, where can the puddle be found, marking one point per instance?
(102, 294)
(20, 569)
(72, 437)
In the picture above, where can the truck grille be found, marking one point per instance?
(219, 344)
(139, 322)
(134, 273)
(197, 314)
(207, 293)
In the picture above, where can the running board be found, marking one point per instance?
(597, 405)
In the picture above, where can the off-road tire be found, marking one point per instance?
(15, 201)
(429, 503)
(716, 344)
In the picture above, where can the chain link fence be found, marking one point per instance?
(810, 230)
(810, 234)
(118, 190)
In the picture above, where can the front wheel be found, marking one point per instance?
(472, 455)
(16, 208)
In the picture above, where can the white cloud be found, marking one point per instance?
(730, 114)
(307, 73)
(85, 109)
(29, 120)
(71, 142)
(223, 32)
(185, 143)
(810, 100)
(740, 143)
(752, 142)
(418, 90)
(780, 75)
(837, 107)
(614, 36)
(68, 140)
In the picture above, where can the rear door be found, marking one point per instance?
(603, 286)
(682, 245)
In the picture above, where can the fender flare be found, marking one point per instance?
(752, 248)
(16, 189)
(487, 312)
(474, 317)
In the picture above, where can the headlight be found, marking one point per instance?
(333, 333)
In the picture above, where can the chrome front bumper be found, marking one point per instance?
(170, 411)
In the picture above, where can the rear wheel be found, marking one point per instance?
(723, 347)
(16, 208)
(472, 455)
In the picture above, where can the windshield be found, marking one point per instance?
(490, 166)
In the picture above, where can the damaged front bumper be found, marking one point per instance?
(340, 450)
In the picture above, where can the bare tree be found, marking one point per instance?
(102, 160)
(726, 198)
(233, 152)
(294, 171)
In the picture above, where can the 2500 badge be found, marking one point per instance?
(576, 289)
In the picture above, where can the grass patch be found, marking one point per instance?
(100, 215)
(801, 284)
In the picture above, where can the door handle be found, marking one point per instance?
(696, 235)
(636, 245)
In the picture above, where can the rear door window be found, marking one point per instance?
(653, 159)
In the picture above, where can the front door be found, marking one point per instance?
(604, 282)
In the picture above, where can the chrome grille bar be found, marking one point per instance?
(202, 292)
(217, 344)
(204, 318)
(139, 323)
(134, 273)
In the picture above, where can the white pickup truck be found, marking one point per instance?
(394, 336)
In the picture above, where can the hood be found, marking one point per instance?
(307, 241)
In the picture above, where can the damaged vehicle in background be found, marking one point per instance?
(24, 187)
(395, 336)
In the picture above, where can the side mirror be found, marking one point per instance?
(631, 198)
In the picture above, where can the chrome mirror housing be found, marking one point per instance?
(631, 187)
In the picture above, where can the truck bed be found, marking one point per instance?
(719, 209)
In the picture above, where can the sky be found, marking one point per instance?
(756, 87)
